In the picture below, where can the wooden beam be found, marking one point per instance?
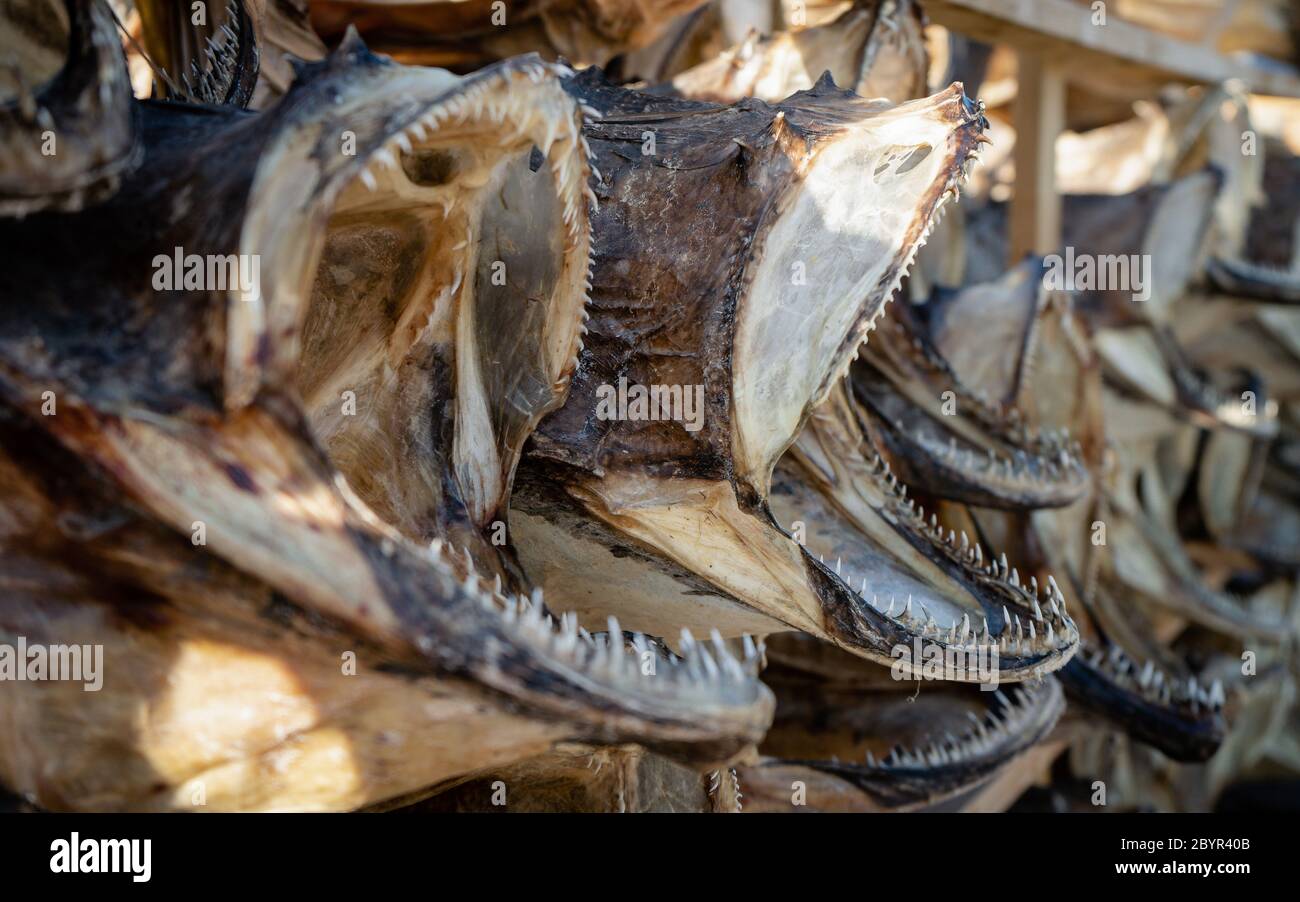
(1064, 31)
(1039, 115)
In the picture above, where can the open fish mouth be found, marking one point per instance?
(970, 466)
(445, 287)
(692, 529)
(379, 434)
(962, 446)
(903, 579)
(234, 411)
(186, 636)
(859, 741)
(948, 418)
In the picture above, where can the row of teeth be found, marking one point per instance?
(715, 783)
(1049, 628)
(1152, 684)
(1048, 602)
(985, 735)
(208, 84)
(612, 654)
(990, 412)
(485, 99)
(1024, 466)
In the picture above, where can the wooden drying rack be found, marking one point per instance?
(1055, 41)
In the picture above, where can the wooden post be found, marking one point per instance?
(1039, 117)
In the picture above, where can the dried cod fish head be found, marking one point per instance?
(678, 520)
(924, 573)
(913, 580)
(1120, 674)
(1149, 694)
(1129, 260)
(1162, 230)
(876, 48)
(859, 741)
(448, 302)
(1151, 562)
(198, 409)
(947, 412)
(68, 128)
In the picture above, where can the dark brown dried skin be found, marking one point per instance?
(1116, 645)
(666, 283)
(87, 107)
(148, 398)
(1104, 679)
(725, 166)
